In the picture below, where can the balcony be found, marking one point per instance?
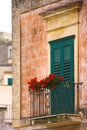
(44, 104)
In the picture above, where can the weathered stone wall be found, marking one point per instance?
(36, 32)
(4, 70)
(29, 35)
(3, 124)
(4, 51)
(83, 54)
(34, 53)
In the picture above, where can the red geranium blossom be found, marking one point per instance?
(61, 78)
(49, 82)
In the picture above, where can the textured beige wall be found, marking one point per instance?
(6, 102)
(6, 95)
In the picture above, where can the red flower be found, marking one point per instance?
(49, 82)
(43, 85)
(61, 78)
(52, 76)
(41, 81)
(33, 89)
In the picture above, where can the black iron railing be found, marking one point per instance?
(40, 102)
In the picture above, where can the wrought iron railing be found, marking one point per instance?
(40, 102)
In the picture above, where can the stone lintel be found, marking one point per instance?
(60, 11)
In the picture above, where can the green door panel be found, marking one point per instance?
(62, 63)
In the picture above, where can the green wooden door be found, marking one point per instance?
(62, 63)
